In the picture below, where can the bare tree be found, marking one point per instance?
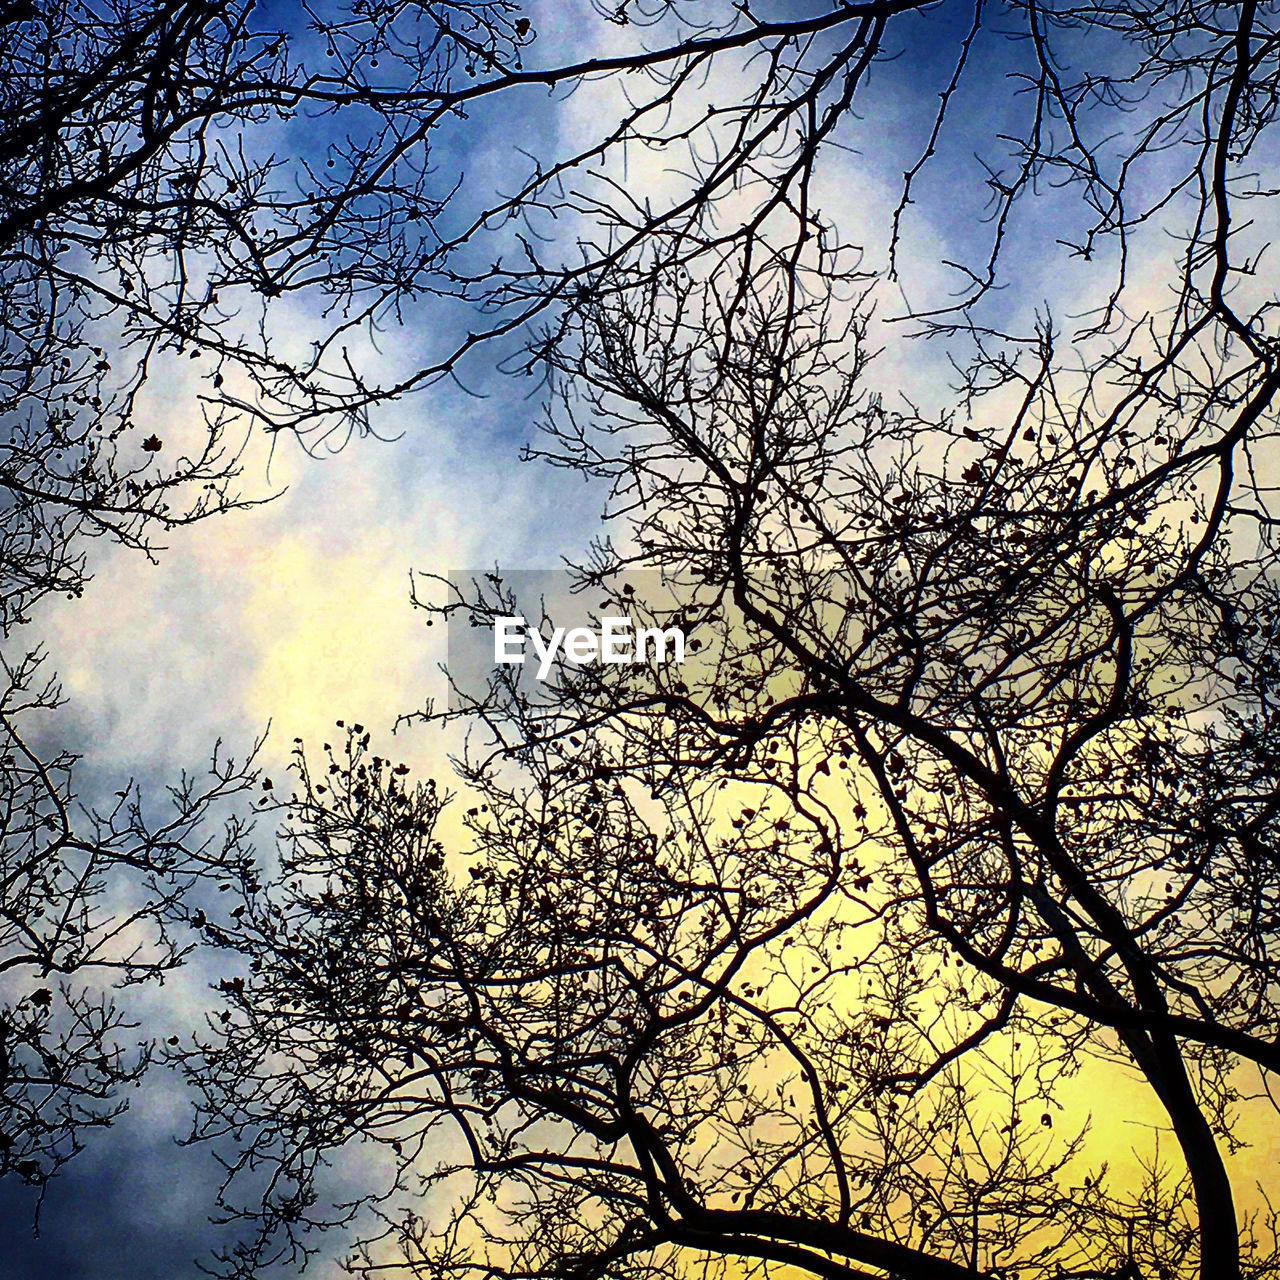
(783, 957)
(787, 954)
(178, 172)
(97, 109)
(91, 902)
(172, 174)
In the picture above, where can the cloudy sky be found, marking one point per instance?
(298, 612)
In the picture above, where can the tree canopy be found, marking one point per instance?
(792, 955)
